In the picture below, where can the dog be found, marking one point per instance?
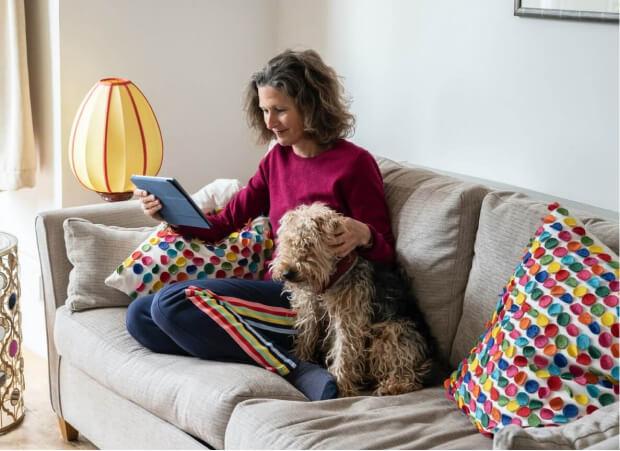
(357, 318)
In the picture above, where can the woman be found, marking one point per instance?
(298, 100)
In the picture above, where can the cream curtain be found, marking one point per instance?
(18, 161)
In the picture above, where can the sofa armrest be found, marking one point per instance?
(55, 266)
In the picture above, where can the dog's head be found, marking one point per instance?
(303, 255)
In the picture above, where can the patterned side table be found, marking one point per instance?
(11, 360)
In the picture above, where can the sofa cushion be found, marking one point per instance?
(548, 354)
(165, 257)
(418, 420)
(596, 431)
(196, 395)
(94, 250)
(434, 219)
(507, 222)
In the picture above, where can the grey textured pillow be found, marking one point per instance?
(434, 219)
(599, 430)
(95, 250)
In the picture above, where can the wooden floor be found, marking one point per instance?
(39, 430)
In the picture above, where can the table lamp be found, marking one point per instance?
(115, 134)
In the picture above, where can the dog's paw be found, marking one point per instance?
(392, 387)
(346, 390)
(346, 387)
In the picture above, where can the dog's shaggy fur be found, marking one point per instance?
(366, 326)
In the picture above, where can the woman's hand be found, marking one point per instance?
(149, 203)
(351, 234)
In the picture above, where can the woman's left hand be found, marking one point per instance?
(351, 234)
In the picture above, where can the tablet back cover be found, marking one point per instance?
(178, 208)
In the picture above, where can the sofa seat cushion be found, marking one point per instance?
(195, 395)
(418, 420)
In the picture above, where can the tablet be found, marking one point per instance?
(178, 207)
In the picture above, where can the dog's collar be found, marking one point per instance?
(343, 267)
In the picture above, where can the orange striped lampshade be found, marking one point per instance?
(115, 134)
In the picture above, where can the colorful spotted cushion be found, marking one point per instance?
(166, 257)
(549, 354)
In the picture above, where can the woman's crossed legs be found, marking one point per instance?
(232, 320)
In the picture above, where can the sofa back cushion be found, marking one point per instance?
(434, 220)
(507, 221)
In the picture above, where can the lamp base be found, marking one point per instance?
(115, 197)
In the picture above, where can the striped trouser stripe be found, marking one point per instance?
(262, 351)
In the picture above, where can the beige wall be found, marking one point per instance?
(468, 87)
(191, 59)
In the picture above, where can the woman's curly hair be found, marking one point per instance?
(315, 89)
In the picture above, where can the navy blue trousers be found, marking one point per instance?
(216, 323)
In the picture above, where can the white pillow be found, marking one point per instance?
(216, 194)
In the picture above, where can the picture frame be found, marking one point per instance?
(586, 10)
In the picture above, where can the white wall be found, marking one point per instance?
(468, 87)
(191, 59)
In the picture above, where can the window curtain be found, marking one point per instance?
(18, 161)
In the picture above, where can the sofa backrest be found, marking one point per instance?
(507, 222)
(434, 219)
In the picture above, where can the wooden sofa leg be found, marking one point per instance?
(69, 433)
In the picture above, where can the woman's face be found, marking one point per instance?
(281, 115)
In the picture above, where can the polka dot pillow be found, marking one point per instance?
(549, 354)
(166, 257)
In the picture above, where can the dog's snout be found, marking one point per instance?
(289, 274)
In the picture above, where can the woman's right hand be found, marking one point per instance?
(149, 203)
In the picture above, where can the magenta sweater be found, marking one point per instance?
(345, 177)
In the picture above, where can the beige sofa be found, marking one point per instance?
(459, 242)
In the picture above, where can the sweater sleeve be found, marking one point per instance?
(366, 200)
(250, 202)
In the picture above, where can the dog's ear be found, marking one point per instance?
(330, 223)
